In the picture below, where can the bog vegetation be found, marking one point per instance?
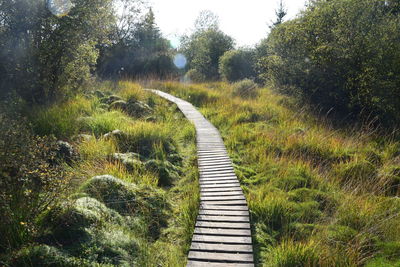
(94, 173)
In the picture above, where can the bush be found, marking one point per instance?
(340, 54)
(31, 181)
(237, 65)
(196, 76)
(245, 88)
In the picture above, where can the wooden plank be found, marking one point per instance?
(228, 181)
(211, 175)
(224, 212)
(229, 193)
(228, 202)
(224, 232)
(222, 239)
(215, 218)
(221, 247)
(210, 179)
(229, 225)
(222, 207)
(222, 198)
(219, 256)
(220, 186)
(195, 263)
(224, 189)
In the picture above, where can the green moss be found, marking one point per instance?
(166, 172)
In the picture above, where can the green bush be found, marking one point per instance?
(31, 181)
(237, 65)
(340, 54)
(196, 76)
(246, 88)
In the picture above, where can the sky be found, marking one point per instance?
(246, 21)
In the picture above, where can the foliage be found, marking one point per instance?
(142, 51)
(46, 55)
(31, 181)
(245, 88)
(342, 55)
(237, 65)
(203, 50)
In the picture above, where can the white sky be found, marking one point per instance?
(246, 21)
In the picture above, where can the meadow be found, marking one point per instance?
(318, 194)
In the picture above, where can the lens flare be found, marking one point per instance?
(59, 8)
(180, 61)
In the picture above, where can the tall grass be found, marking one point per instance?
(318, 195)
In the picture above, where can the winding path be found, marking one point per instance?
(222, 236)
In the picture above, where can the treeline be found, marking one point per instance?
(340, 56)
(51, 49)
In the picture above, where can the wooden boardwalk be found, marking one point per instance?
(222, 236)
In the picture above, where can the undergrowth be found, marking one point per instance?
(130, 192)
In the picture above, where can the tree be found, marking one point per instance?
(342, 55)
(141, 52)
(46, 54)
(237, 65)
(206, 20)
(280, 13)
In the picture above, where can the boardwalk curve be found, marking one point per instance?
(222, 235)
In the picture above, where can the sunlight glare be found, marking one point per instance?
(180, 61)
(59, 8)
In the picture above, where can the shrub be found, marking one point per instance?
(194, 75)
(245, 88)
(237, 65)
(31, 181)
(313, 57)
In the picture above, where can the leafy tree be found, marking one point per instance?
(340, 54)
(205, 46)
(206, 20)
(46, 54)
(237, 65)
(140, 52)
(280, 13)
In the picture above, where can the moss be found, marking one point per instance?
(69, 223)
(166, 172)
(130, 199)
(47, 256)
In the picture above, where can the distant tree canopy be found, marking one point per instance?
(45, 53)
(237, 65)
(205, 46)
(340, 54)
(141, 51)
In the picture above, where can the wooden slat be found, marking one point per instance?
(224, 232)
(215, 218)
(227, 202)
(228, 257)
(230, 225)
(222, 239)
(229, 193)
(222, 207)
(195, 263)
(221, 247)
(222, 198)
(224, 212)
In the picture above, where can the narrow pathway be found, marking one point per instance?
(222, 236)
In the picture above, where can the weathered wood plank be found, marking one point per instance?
(221, 247)
(224, 232)
(222, 239)
(195, 263)
(215, 256)
(224, 189)
(228, 202)
(220, 186)
(223, 207)
(215, 218)
(224, 212)
(229, 193)
(229, 225)
(222, 198)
